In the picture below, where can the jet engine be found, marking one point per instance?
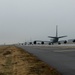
(65, 42)
(59, 43)
(34, 42)
(49, 43)
(74, 41)
(42, 42)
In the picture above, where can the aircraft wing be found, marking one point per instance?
(62, 36)
(47, 41)
(38, 40)
(41, 41)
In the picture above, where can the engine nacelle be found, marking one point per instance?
(59, 43)
(30, 43)
(22, 43)
(42, 42)
(34, 42)
(49, 43)
(65, 42)
(74, 41)
(25, 43)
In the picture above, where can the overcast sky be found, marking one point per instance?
(25, 20)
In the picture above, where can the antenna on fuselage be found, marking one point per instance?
(56, 30)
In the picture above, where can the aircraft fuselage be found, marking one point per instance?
(55, 40)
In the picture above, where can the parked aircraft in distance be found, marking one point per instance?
(53, 40)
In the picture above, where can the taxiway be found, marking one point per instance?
(60, 57)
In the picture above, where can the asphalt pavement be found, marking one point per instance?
(62, 58)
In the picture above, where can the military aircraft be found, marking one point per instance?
(54, 39)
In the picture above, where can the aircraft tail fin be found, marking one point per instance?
(56, 33)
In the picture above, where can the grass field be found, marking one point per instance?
(15, 61)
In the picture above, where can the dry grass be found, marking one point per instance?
(15, 61)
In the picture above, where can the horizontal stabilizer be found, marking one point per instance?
(62, 36)
(51, 37)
